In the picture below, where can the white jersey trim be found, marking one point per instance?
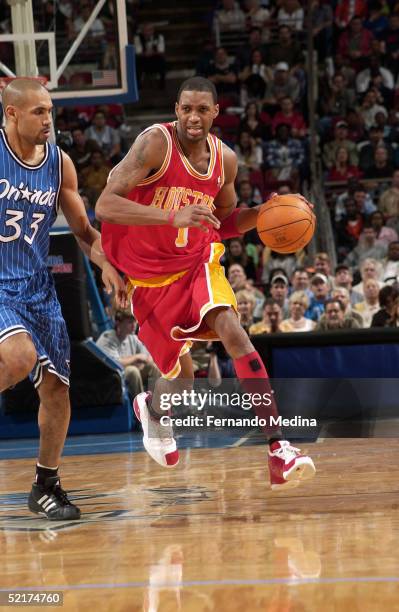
(11, 331)
(60, 175)
(18, 160)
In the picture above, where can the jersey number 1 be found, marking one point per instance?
(182, 237)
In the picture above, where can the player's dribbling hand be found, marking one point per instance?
(298, 195)
(301, 197)
(196, 216)
(259, 206)
(115, 284)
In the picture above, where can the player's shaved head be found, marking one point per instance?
(28, 111)
(15, 93)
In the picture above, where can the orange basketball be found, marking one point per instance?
(286, 223)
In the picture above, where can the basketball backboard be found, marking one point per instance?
(83, 52)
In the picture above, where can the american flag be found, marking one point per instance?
(104, 78)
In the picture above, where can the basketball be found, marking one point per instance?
(286, 223)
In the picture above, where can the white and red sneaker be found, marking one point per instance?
(287, 466)
(158, 439)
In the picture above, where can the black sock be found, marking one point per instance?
(42, 473)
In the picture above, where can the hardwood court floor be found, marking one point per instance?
(210, 535)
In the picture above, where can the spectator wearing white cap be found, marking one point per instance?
(282, 85)
(320, 288)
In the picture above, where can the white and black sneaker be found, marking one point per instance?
(51, 501)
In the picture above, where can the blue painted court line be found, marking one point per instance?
(119, 443)
(222, 582)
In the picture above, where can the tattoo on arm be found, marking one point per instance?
(139, 149)
(129, 171)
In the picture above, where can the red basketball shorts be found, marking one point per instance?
(171, 317)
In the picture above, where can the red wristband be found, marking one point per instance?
(171, 217)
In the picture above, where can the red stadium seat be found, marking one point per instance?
(61, 81)
(272, 184)
(257, 180)
(229, 125)
(227, 122)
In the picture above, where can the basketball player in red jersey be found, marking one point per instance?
(161, 211)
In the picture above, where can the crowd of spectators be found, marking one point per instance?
(94, 137)
(262, 87)
(300, 298)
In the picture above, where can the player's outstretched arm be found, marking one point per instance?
(240, 221)
(146, 155)
(226, 200)
(243, 220)
(89, 239)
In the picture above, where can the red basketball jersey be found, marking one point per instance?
(158, 253)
